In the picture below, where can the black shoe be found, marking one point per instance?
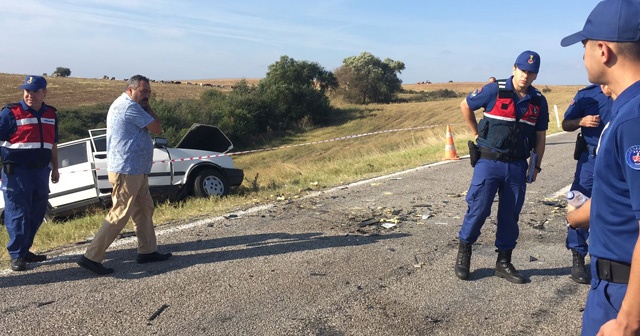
(18, 264)
(463, 261)
(33, 258)
(93, 266)
(505, 269)
(152, 257)
(578, 272)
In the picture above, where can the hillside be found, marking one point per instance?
(72, 92)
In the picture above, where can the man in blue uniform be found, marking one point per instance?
(28, 143)
(584, 113)
(611, 42)
(515, 122)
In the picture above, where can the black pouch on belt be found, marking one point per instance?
(8, 167)
(474, 153)
(581, 147)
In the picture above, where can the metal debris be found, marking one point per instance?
(369, 221)
(157, 312)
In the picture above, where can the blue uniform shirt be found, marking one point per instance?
(615, 205)
(129, 145)
(590, 101)
(486, 97)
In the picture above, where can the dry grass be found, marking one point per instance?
(291, 171)
(70, 92)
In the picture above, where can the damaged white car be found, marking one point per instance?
(198, 166)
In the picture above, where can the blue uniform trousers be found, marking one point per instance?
(583, 182)
(26, 193)
(508, 180)
(603, 302)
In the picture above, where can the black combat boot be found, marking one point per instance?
(504, 268)
(463, 260)
(578, 273)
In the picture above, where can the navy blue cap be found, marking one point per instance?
(610, 20)
(34, 83)
(528, 61)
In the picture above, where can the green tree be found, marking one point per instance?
(367, 79)
(62, 72)
(295, 93)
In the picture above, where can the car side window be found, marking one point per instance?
(72, 155)
(100, 144)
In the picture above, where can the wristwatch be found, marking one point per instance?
(538, 168)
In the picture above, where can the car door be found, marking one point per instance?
(99, 156)
(76, 187)
(161, 175)
(161, 171)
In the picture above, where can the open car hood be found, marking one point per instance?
(205, 137)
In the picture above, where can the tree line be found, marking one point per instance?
(294, 95)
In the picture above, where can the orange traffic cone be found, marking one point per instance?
(450, 147)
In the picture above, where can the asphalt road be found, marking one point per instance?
(322, 265)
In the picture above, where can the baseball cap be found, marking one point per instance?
(34, 83)
(610, 20)
(528, 61)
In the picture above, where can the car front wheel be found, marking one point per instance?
(210, 182)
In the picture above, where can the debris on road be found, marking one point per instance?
(158, 312)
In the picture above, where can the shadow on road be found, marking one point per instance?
(482, 273)
(207, 251)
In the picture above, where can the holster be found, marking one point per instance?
(8, 167)
(581, 147)
(474, 153)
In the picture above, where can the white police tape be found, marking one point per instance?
(279, 147)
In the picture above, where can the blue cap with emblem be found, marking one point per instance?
(528, 61)
(34, 83)
(610, 20)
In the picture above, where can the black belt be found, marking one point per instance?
(32, 165)
(487, 153)
(613, 271)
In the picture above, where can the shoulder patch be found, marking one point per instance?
(475, 93)
(573, 102)
(632, 157)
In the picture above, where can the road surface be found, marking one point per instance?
(323, 264)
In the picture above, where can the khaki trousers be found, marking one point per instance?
(131, 199)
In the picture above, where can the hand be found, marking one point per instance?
(145, 105)
(55, 176)
(614, 328)
(590, 121)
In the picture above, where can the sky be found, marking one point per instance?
(438, 41)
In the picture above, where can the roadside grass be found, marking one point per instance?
(276, 175)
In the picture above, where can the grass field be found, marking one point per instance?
(72, 92)
(290, 172)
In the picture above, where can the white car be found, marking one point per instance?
(198, 165)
